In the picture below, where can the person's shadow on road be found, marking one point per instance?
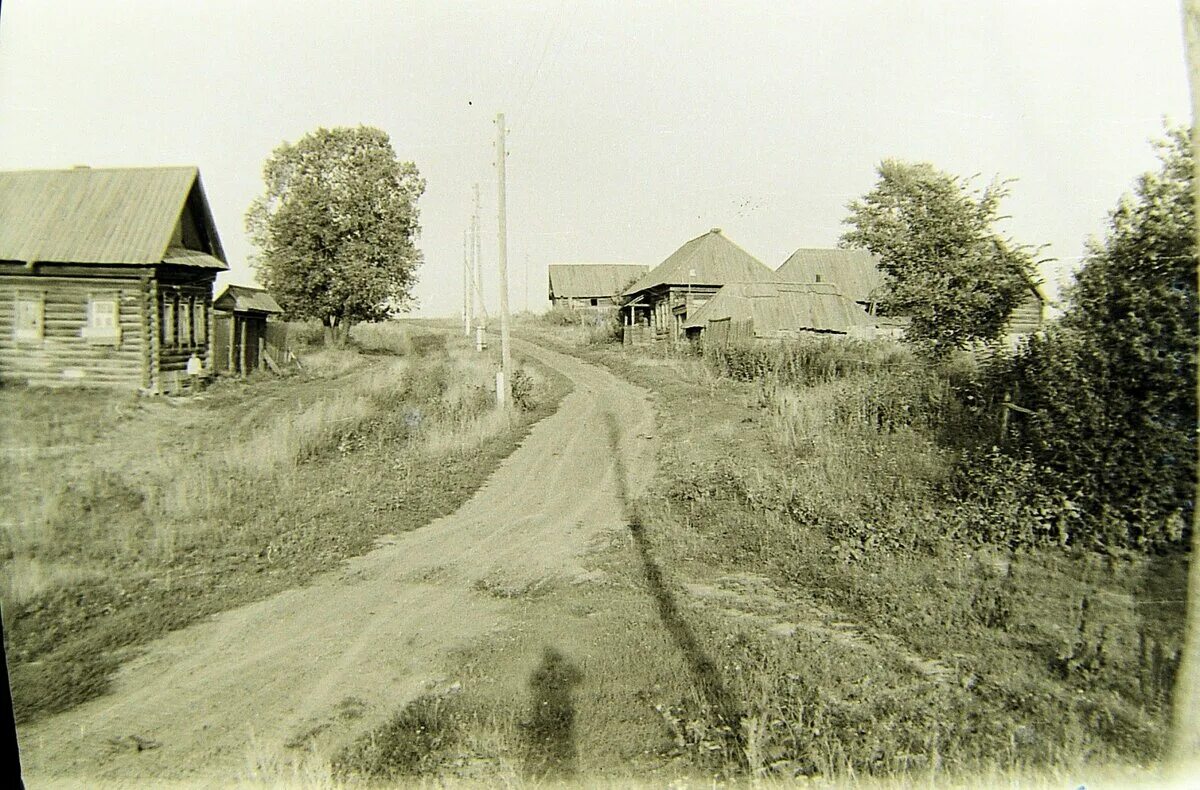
(549, 733)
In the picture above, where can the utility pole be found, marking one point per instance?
(481, 313)
(504, 385)
(468, 307)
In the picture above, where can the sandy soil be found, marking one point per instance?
(324, 663)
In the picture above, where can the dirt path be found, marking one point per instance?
(327, 662)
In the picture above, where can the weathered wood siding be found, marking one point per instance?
(185, 328)
(64, 354)
(1028, 315)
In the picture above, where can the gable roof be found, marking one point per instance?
(715, 260)
(777, 308)
(855, 272)
(245, 299)
(592, 279)
(110, 215)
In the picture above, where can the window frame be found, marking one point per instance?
(37, 333)
(107, 333)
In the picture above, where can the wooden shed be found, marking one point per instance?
(106, 277)
(778, 311)
(240, 328)
(660, 302)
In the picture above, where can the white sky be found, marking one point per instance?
(633, 127)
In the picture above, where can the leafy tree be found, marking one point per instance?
(336, 227)
(1113, 387)
(947, 268)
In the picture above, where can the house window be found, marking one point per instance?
(169, 333)
(29, 317)
(103, 319)
(185, 322)
(200, 322)
(595, 302)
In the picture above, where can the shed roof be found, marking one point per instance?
(109, 216)
(780, 307)
(592, 279)
(714, 259)
(246, 299)
(855, 272)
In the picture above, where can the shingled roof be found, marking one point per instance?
(779, 308)
(855, 272)
(245, 299)
(715, 260)
(585, 280)
(104, 216)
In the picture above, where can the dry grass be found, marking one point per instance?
(178, 508)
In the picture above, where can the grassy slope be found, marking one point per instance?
(846, 658)
(121, 572)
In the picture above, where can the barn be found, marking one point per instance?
(855, 272)
(591, 286)
(660, 302)
(778, 311)
(857, 275)
(106, 278)
(240, 329)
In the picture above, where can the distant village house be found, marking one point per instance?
(591, 286)
(106, 277)
(660, 302)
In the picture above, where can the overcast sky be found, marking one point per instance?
(633, 126)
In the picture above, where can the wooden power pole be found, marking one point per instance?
(477, 258)
(504, 388)
(468, 306)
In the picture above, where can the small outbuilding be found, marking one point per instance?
(106, 277)
(240, 329)
(591, 286)
(750, 311)
(661, 302)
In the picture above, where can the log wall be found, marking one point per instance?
(63, 354)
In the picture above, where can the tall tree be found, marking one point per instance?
(947, 267)
(336, 227)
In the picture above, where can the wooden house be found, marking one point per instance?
(661, 301)
(240, 329)
(855, 273)
(593, 287)
(106, 277)
(778, 311)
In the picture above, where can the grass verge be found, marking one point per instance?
(128, 518)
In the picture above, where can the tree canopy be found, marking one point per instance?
(1113, 386)
(947, 267)
(336, 227)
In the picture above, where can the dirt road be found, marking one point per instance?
(326, 662)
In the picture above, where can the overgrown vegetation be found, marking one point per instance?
(126, 518)
(1111, 390)
(873, 610)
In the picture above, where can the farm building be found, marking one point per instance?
(778, 310)
(106, 277)
(591, 286)
(854, 272)
(857, 276)
(660, 302)
(240, 329)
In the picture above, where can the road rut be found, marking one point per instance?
(210, 699)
